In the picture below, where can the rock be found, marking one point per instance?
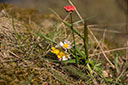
(2, 13)
(105, 73)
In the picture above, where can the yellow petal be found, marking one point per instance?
(56, 51)
(53, 48)
(60, 55)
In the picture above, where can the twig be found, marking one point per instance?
(82, 20)
(103, 39)
(95, 28)
(120, 75)
(102, 50)
(60, 18)
(117, 49)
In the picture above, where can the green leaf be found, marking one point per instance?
(60, 79)
(81, 53)
(76, 72)
(91, 63)
(98, 64)
(69, 61)
(45, 37)
(69, 25)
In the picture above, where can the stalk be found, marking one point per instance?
(86, 47)
(86, 40)
(73, 35)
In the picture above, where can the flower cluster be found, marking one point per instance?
(60, 50)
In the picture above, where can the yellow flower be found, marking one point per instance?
(54, 50)
(60, 55)
(63, 56)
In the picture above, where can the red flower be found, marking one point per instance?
(69, 8)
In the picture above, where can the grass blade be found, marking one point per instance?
(69, 61)
(45, 37)
(60, 79)
(69, 25)
(76, 72)
(86, 39)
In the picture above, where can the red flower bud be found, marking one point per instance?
(69, 8)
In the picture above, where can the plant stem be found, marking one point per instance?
(73, 34)
(68, 25)
(86, 46)
(86, 40)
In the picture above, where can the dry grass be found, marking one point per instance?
(25, 56)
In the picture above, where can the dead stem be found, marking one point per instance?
(117, 49)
